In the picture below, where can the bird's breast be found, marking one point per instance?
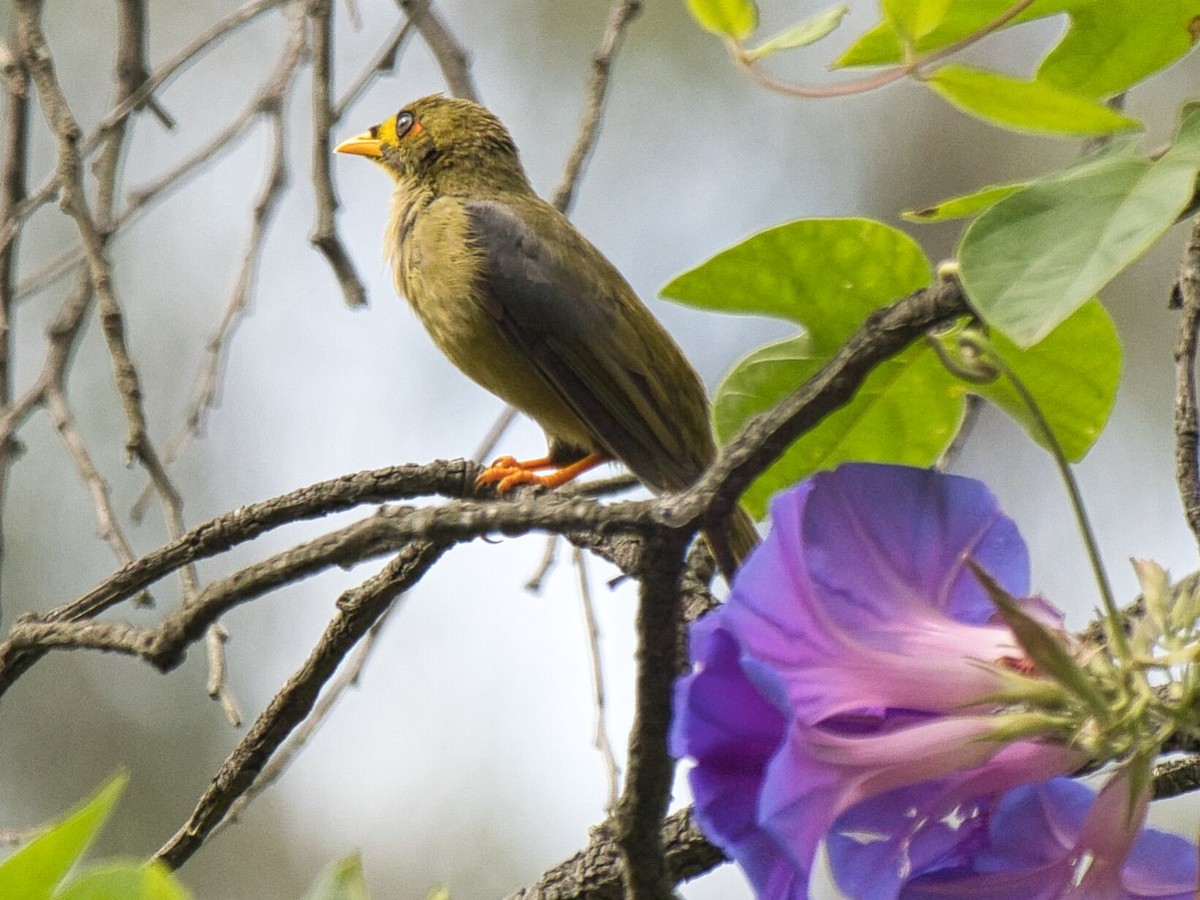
(436, 266)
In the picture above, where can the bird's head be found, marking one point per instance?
(445, 144)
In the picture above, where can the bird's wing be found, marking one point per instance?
(557, 299)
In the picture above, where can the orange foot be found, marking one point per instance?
(507, 472)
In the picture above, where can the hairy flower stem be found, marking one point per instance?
(976, 341)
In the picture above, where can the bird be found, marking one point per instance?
(520, 301)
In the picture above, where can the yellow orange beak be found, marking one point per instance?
(364, 144)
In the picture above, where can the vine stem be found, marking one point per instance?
(977, 342)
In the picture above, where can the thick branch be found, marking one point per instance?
(1187, 429)
(358, 610)
(594, 873)
(651, 769)
(885, 333)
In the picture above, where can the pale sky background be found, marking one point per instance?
(464, 758)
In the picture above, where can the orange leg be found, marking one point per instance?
(506, 472)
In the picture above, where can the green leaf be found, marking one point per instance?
(1072, 373)
(1024, 105)
(907, 411)
(971, 204)
(825, 274)
(807, 32)
(343, 880)
(35, 870)
(881, 45)
(1110, 47)
(916, 18)
(126, 881)
(962, 206)
(728, 18)
(1033, 258)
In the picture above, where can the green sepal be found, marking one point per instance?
(1043, 648)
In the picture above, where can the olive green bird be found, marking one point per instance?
(522, 303)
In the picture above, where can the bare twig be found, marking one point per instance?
(216, 351)
(13, 187)
(545, 564)
(324, 234)
(445, 47)
(268, 103)
(176, 64)
(67, 133)
(450, 479)
(64, 420)
(488, 445)
(61, 339)
(622, 13)
(382, 63)
(603, 744)
(298, 739)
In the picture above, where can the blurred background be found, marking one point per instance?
(464, 757)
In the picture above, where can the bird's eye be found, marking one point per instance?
(404, 121)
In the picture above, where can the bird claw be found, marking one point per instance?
(506, 473)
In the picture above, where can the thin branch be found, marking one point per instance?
(67, 133)
(611, 770)
(488, 445)
(267, 100)
(216, 33)
(382, 63)
(298, 739)
(216, 352)
(14, 174)
(324, 235)
(244, 524)
(110, 532)
(619, 17)
(445, 47)
(62, 338)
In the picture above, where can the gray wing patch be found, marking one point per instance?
(564, 323)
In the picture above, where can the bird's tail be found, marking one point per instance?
(732, 542)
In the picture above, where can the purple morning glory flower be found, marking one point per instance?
(1059, 841)
(837, 694)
